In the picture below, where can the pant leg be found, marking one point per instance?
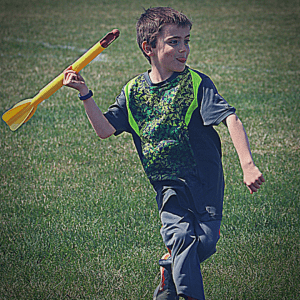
(209, 234)
(191, 242)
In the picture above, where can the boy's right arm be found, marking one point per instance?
(100, 124)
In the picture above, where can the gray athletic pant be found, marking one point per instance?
(190, 241)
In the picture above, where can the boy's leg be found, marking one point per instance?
(182, 233)
(209, 234)
(166, 289)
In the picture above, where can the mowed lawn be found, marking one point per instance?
(78, 218)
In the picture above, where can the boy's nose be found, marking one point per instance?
(183, 48)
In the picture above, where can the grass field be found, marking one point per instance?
(78, 218)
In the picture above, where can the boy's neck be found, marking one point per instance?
(157, 77)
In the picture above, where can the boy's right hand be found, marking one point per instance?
(75, 81)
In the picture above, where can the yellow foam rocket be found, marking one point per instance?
(24, 110)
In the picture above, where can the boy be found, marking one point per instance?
(170, 112)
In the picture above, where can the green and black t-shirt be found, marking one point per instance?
(172, 125)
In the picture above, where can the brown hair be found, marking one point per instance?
(152, 21)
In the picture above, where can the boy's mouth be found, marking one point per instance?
(181, 59)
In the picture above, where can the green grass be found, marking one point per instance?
(78, 218)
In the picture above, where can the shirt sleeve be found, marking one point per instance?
(213, 107)
(117, 114)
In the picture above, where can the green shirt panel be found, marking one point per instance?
(160, 116)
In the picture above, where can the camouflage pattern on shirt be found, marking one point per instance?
(159, 113)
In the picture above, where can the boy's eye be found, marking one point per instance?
(173, 42)
(176, 42)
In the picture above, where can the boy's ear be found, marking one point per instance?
(147, 49)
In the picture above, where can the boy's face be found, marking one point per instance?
(171, 51)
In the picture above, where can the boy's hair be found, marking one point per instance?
(152, 21)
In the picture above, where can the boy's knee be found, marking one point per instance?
(184, 237)
(208, 240)
(179, 239)
(208, 245)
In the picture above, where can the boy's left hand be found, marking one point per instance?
(253, 178)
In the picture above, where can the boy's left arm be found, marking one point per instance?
(253, 178)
